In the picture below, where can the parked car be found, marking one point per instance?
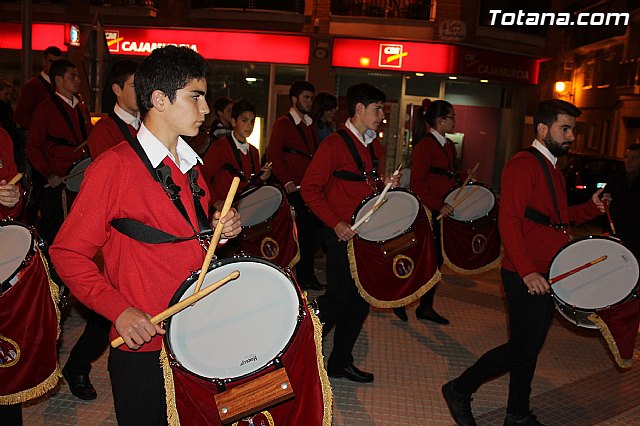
(585, 174)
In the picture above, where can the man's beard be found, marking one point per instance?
(555, 148)
(302, 109)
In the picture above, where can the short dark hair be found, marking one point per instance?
(437, 109)
(53, 51)
(167, 69)
(121, 71)
(59, 69)
(548, 111)
(322, 102)
(363, 93)
(300, 86)
(221, 103)
(240, 106)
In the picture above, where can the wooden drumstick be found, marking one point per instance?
(15, 179)
(383, 194)
(578, 269)
(456, 203)
(217, 232)
(605, 203)
(368, 215)
(172, 310)
(466, 181)
(69, 176)
(81, 145)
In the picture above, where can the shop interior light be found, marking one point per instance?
(560, 86)
(484, 81)
(254, 139)
(453, 77)
(419, 74)
(251, 79)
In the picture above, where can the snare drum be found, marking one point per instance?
(17, 250)
(393, 219)
(610, 282)
(476, 201)
(77, 174)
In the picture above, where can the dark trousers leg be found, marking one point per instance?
(138, 388)
(426, 301)
(309, 237)
(341, 305)
(11, 415)
(530, 317)
(91, 344)
(51, 213)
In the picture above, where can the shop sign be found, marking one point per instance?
(42, 36)
(499, 66)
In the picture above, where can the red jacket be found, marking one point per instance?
(330, 198)
(33, 92)
(105, 135)
(431, 187)
(145, 276)
(217, 176)
(530, 246)
(49, 157)
(288, 167)
(7, 172)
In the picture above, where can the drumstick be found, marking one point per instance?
(605, 203)
(384, 192)
(81, 145)
(69, 176)
(15, 179)
(368, 215)
(466, 181)
(172, 310)
(217, 232)
(578, 269)
(456, 203)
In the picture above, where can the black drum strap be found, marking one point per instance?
(58, 103)
(47, 85)
(238, 156)
(298, 127)
(344, 174)
(541, 159)
(124, 128)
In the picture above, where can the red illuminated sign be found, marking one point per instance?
(499, 66)
(42, 36)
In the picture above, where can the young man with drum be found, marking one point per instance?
(533, 221)
(343, 172)
(134, 182)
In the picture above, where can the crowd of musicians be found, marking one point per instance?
(156, 185)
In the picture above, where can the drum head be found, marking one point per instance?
(479, 202)
(603, 284)
(16, 242)
(239, 328)
(73, 183)
(259, 205)
(392, 219)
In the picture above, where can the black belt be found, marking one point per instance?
(542, 219)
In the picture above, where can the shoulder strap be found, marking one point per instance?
(238, 157)
(541, 159)
(58, 103)
(47, 85)
(124, 128)
(303, 136)
(356, 156)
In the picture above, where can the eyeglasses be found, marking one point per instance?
(453, 117)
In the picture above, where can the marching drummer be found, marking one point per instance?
(533, 222)
(343, 172)
(131, 184)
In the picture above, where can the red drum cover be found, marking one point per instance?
(29, 329)
(619, 326)
(400, 279)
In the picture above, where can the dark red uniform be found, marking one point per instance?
(286, 136)
(7, 172)
(33, 93)
(105, 135)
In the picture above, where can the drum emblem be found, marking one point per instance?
(478, 243)
(269, 248)
(402, 266)
(9, 352)
(263, 418)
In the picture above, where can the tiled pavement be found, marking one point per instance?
(576, 381)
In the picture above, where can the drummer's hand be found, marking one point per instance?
(265, 171)
(134, 327)
(536, 284)
(394, 180)
(607, 197)
(54, 181)
(446, 210)
(231, 221)
(290, 187)
(9, 194)
(344, 232)
(596, 199)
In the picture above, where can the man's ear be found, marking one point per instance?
(159, 100)
(233, 122)
(116, 89)
(360, 108)
(542, 130)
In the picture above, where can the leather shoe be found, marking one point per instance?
(310, 283)
(526, 420)
(459, 404)
(431, 315)
(401, 313)
(80, 385)
(352, 373)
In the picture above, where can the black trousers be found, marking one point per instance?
(51, 213)
(138, 388)
(309, 237)
(426, 301)
(530, 317)
(91, 344)
(11, 415)
(341, 305)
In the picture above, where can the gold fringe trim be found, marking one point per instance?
(462, 271)
(54, 291)
(36, 391)
(173, 419)
(327, 393)
(388, 304)
(608, 337)
(296, 258)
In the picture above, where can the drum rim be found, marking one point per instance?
(557, 298)
(75, 163)
(27, 258)
(495, 204)
(277, 360)
(370, 197)
(256, 188)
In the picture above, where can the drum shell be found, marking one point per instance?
(483, 211)
(28, 257)
(74, 182)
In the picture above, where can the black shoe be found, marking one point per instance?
(310, 283)
(431, 315)
(459, 405)
(401, 313)
(80, 385)
(526, 420)
(352, 373)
